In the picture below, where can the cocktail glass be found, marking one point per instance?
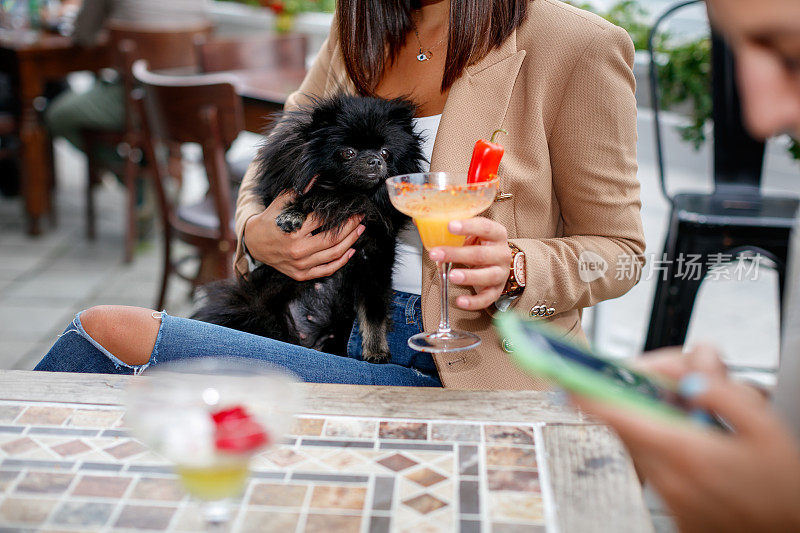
(433, 200)
(209, 416)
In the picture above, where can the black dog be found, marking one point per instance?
(346, 146)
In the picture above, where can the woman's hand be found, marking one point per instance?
(300, 255)
(748, 480)
(485, 254)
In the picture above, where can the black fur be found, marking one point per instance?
(337, 142)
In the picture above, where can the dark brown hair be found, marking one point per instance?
(371, 33)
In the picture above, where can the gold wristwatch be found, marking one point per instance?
(516, 279)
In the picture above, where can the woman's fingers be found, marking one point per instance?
(479, 277)
(330, 254)
(327, 269)
(473, 255)
(327, 239)
(483, 228)
(735, 402)
(483, 299)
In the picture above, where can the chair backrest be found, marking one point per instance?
(738, 157)
(203, 109)
(655, 93)
(275, 51)
(161, 48)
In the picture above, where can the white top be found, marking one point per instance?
(408, 261)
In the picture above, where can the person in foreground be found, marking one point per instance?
(747, 480)
(557, 79)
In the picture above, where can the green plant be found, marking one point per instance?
(684, 76)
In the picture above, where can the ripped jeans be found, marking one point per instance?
(182, 338)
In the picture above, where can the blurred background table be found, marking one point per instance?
(32, 63)
(265, 92)
(357, 459)
(46, 57)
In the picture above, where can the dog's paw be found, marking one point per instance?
(290, 221)
(377, 357)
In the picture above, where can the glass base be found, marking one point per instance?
(454, 341)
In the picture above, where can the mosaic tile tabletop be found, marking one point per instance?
(76, 468)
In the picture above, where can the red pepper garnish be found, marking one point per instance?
(485, 160)
(234, 413)
(237, 431)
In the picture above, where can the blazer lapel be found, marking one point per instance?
(476, 106)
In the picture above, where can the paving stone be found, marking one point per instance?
(269, 522)
(145, 517)
(94, 418)
(319, 523)
(424, 503)
(308, 427)
(19, 446)
(70, 448)
(102, 486)
(333, 497)
(44, 483)
(45, 415)
(9, 412)
(403, 430)
(163, 489)
(7, 477)
(83, 514)
(125, 450)
(278, 494)
(26, 510)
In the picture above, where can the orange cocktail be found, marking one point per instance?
(433, 200)
(433, 209)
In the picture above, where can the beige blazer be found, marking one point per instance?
(562, 86)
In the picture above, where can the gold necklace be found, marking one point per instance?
(424, 55)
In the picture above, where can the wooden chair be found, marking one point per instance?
(162, 49)
(9, 154)
(207, 111)
(263, 53)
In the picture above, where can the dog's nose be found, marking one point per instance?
(374, 162)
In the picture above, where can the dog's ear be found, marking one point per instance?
(322, 116)
(402, 110)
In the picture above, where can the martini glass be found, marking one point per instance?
(433, 200)
(210, 416)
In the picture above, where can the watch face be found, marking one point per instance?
(519, 269)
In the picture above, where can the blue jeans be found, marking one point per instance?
(182, 338)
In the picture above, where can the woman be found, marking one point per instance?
(559, 81)
(747, 479)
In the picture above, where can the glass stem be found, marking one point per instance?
(444, 318)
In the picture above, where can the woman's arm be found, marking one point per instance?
(746, 480)
(264, 241)
(593, 158)
(592, 145)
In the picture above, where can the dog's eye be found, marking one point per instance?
(348, 153)
(385, 154)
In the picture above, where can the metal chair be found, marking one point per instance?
(735, 218)
(192, 109)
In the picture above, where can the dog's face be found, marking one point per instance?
(356, 143)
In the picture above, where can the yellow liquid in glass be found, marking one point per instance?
(432, 210)
(215, 482)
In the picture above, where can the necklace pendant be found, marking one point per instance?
(424, 56)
